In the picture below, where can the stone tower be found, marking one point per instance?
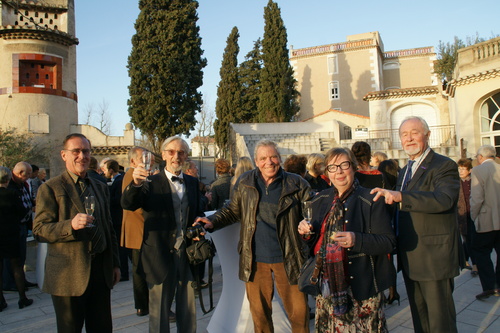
(38, 72)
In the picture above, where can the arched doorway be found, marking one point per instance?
(490, 122)
(425, 111)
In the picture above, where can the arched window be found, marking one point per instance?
(490, 122)
(46, 15)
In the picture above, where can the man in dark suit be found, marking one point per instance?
(111, 171)
(82, 262)
(170, 203)
(428, 244)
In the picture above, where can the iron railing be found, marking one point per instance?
(441, 136)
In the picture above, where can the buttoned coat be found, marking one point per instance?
(369, 269)
(67, 266)
(485, 196)
(428, 237)
(160, 228)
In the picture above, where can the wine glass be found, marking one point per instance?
(147, 159)
(307, 213)
(89, 204)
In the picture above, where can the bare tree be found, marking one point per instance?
(98, 116)
(205, 126)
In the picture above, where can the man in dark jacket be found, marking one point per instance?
(267, 201)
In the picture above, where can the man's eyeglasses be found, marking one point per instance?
(172, 152)
(77, 151)
(334, 167)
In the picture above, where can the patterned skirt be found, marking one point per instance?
(365, 316)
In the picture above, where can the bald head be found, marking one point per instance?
(21, 172)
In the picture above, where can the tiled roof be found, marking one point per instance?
(469, 79)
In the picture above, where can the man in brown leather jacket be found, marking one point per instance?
(267, 201)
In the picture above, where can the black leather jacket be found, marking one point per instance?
(243, 207)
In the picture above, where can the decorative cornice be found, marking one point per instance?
(110, 150)
(37, 33)
(471, 79)
(333, 48)
(38, 6)
(398, 93)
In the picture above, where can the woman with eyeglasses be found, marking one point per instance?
(352, 234)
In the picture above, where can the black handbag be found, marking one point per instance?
(309, 276)
(200, 251)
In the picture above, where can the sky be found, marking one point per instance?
(105, 28)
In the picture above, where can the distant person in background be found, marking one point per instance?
(93, 172)
(244, 164)
(315, 168)
(34, 181)
(112, 171)
(191, 169)
(485, 211)
(377, 158)
(365, 174)
(465, 223)
(42, 174)
(102, 166)
(11, 212)
(220, 188)
(390, 169)
(18, 183)
(296, 164)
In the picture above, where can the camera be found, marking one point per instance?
(195, 231)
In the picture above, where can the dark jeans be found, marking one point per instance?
(483, 243)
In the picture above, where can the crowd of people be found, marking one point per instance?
(434, 215)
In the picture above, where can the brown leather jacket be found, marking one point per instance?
(243, 207)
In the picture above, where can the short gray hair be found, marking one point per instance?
(134, 151)
(5, 175)
(422, 120)
(174, 138)
(487, 151)
(266, 143)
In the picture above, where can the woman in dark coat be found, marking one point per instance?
(11, 212)
(353, 235)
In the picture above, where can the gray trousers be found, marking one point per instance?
(178, 283)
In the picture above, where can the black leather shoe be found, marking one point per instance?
(485, 294)
(24, 303)
(3, 305)
(30, 284)
(142, 312)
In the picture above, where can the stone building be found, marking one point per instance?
(38, 84)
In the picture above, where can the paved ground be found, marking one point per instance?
(473, 315)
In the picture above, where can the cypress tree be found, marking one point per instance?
(228, 92)
(250, 83)
(278, 97)
(165, 69)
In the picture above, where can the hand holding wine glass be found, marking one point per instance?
(147, 159)
(89, 204)
(307, 213)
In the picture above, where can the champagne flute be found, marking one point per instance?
(147, 159)
(89, 204)
(307, 213)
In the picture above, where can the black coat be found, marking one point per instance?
(369, 270)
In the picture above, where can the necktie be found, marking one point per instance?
(177, 179)
(97, 241)
(407, 178)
